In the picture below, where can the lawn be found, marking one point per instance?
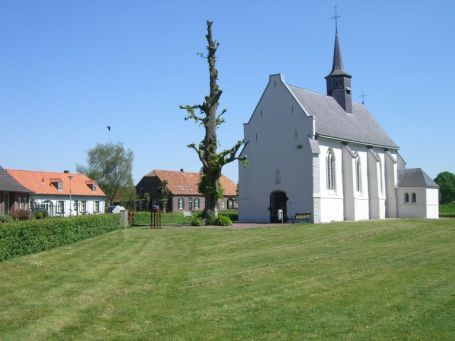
(447, 210)
(378, 280)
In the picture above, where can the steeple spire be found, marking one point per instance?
(337, 66)
(338, 80)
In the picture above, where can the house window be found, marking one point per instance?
(180, 203)
(76, 206)
(331, 170)
(96, 207)
(83, 206)
(406, 198)
(414, 197)
(94, 188)
(358, 175)
(59, 185)
(190, 204)
(196, 204)
(230, 204)
(60, 206)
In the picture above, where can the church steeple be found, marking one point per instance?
(338, 80)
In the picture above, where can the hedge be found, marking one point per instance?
(25, 237)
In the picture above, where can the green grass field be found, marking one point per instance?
(382, 280)
(447, 210)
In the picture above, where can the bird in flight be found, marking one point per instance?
(108, 128)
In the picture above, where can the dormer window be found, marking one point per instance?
(91, 184)
(58, 183)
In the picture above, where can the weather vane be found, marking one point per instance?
(363, 95)
(335, 17)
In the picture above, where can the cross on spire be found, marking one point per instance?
(363, 95)
(335, 17)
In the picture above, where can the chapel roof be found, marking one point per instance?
(332, 121)
(186, 183)
(44, 183)
(415, 177)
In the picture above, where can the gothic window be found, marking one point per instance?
(331, 170)
(406, 198)
(414, 197)
(358, 175)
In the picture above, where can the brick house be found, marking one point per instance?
(183, 188)
(13, 195)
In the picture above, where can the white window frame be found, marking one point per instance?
(83, 206)
(197, 204)
(96, 206)
(181, 203)
(60, 207)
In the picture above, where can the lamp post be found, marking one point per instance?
(71, 205)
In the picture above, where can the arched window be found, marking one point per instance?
(358, 175)
(331, 170)
(406, 197)
(180, 203)
(414, 197)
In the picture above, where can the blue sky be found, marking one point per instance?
(70, 68)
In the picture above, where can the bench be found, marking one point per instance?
(300, 217)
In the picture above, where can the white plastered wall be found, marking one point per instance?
(412, 209)
(69, 205)
(331, 201)
(279, 155)
(432, 203)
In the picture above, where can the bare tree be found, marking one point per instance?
(206, 114)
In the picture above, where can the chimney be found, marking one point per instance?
(66, 171)
(181, 170)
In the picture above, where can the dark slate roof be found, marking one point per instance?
(333, 121)
(337, 66)
(415, 177)
(9, 184)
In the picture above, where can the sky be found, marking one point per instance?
(70, 68)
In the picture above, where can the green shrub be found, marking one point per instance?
(21, 214)
(197, 221)
(232, 214)
(41, 214)
(5, 219)
(25, 237)
(223, 220)
(210, 220)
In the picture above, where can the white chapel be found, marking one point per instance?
(326, 157)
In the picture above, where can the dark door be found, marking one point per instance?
(278, 201)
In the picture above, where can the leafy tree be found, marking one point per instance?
(110, 165)
(206, 114)
(164, 195)
(127, 196)
(446, 182)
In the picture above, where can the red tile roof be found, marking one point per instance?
(186, 183)
(45, 183)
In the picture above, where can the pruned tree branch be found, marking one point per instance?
(199, 153)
